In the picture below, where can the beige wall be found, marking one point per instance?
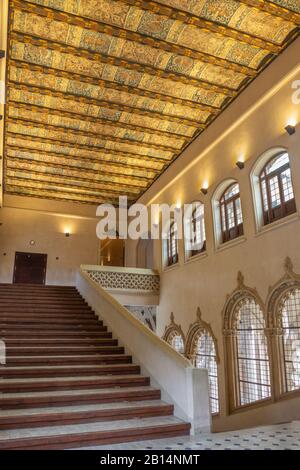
(45, 222)
(252, 124)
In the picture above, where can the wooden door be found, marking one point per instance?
(30, 268)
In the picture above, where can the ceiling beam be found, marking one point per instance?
(95, 145)
(274, 9)
(114, 169)
(105, 59)
(106, 104)
(95, 120)
(134, 90)
(70, 181)
(203, 23)
(103, 28)
(89, 176)
(95, 135)
(84, 147)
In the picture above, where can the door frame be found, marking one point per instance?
(29, 253)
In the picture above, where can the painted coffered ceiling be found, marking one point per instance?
(103, 95)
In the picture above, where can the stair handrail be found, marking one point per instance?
(185, 386)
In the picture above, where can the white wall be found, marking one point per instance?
(251, 125)
(45, 222)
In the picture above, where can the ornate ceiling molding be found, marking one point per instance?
(116, 93)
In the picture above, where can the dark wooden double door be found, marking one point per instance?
(30, 268)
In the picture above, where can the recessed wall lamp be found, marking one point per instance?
(290, 129)
(204, 191)
(240, 164)
(32, 242)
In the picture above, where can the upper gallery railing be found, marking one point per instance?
(133, 280)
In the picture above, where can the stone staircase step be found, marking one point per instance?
(71, 383)
(63, 371)
(77, 397)
(37, 417)
(74, 436)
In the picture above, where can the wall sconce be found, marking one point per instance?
(240, 164)
(204, 191)
(67, 234)
(290, 129)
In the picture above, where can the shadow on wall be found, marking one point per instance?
(144, 253)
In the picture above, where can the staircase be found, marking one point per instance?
(67, 383)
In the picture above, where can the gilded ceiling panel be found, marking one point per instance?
(135, 102)
(238, 16)
(94, 127)
(119, 48)
(163, 28)
(82, 164)
(103, 95)
(137, 81)
(72, 151)
(100, 112)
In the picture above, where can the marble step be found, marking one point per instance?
(71, 383)
(61, 342)
(77, 397)
(63, 350)
(54, 334)
(65, 371)
(76, 436)
(37, 417)
(68, 360)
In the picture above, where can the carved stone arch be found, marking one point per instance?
(173, 329)
(242, 292)
(195, 329)
(237, 393)
(277, 294)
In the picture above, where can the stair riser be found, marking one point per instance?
(67, 372)
(29, 333)
(63, 352)
(52, 334)
(48, 317)
(29, 402)
(79, 385)
(68, 361)
(42, 310)
(83, 417)
(45, 327)
(69, 442)
(63, 343)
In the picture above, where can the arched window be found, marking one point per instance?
(176, 341)
(247, 348)
(277, 189)
(202, 351)
(174, 336)
(253, 371)
(231, 213)
(194, 230)
(290, 323)
(172, 245)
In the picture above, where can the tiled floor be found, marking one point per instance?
(276, 437)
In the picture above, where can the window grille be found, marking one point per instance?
(253, 371)
(291, 339)
(204, 353)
